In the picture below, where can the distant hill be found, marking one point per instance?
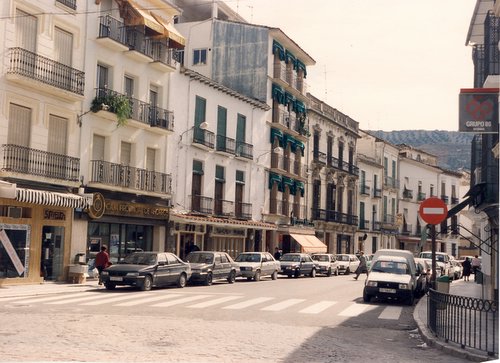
(452, 148)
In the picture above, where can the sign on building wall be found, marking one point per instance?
(478, 110)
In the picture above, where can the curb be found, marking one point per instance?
(42, 289)
(433, 341)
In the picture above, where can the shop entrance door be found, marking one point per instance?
(52, 252)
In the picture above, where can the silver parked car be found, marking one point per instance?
(347, 263)
(327, 262)
(254, 265)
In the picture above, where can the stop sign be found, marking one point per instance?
(433, 210)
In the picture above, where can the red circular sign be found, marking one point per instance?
(433, 210)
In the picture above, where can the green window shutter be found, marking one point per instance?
(219, 173)
(289, 139)
(278, 49)
(301, 146)
(241, 129)
(290, 58)
(240, 177)
(302, 66)
(197, 167)
(275, 178)
(275, 133)
(362, 212)
(221, 121)
(278, 94)
(300, 187)
(199, 111)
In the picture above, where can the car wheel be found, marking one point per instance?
(297, 273)
(329, 273)
(313, 273)
(182, 281)
(147, 283)
(366, 298)
(289, 276)
(208, 279)
(274, 276)
(257, 276)
(249, 278)
(232, 277)
(109, 286)
(347, 271)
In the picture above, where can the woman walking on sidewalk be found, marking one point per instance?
(467, 268)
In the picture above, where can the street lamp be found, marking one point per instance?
(202, 126)
(276, 150)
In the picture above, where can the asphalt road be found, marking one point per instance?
(289, 320)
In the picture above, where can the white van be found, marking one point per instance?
(392, 275)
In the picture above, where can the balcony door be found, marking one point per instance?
(219, 190)
(196, 186)
(57, 144)
(17, 155)
(26, 31)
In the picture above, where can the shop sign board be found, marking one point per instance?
(433, 210)
(7, 244)
(478, 110)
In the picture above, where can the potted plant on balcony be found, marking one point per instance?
(118, 104)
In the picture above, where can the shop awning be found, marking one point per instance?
(309, 243)
(55, 199)
(170, 32)
(145, 18)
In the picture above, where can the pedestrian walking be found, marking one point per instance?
(277, 254)
(467, 268)
(476, 264)
(102, 261)
(362, 265)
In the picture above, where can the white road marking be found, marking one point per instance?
(391, 312)
(74, 300)
(318, 307)
(246, 304)
(52, 298)
(148, 300)
(181, 301)
(283, 305)
(356, 309)
(108, 299)
(214, 302)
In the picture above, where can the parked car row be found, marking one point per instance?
(145, 270)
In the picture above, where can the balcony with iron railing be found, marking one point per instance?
(421, 196)
(27, 67)
(334, 216)
(454, 200)
(203, 138)
(299, 211)
(319, 157)
(390, 182)
(444, 198)
(279, 207)
(406, 229)
(104, 172)
(68, 3)
(377, 193)
(280, 71)
(364, 189)
(164, 57)
(364, 224)
(243, 210)
(407, 194)
(140, 46)
(389, 219)
(244, 150)
(223, 208)
(32, 162)
(291, 77)
(225, 144)
(376, 225)
(140, 111)
(201, 204)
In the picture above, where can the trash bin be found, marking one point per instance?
(478, 277)
(80, 259)
(443, 284)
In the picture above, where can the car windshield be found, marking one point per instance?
(292, 258)
(322, 258)
(200, 258)
(343, 258)
(399, 268)
(248, 257)
(140, 259)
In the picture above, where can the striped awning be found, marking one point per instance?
(44, 197)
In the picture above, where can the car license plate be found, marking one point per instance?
(115, 278)
(388, 291)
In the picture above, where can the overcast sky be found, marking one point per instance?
(388, 64)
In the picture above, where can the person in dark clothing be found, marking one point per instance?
(467, 264)
(277, 254)
(102, 261)
(362, 265)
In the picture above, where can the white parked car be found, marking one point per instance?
(254, 265)
(442, 261)
(327, 263)
(347, 263)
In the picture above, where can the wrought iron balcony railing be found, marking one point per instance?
(225, 144)
(334, 216)
(112, 28)
(389, 218)
(444, 198)
(130, 177)
(407, 194)
(163, 54)
(421, 196)
(243, 210)
(203, 137)
(69, 3)
(223, 208)
(244, 150)
(391, 182)
(407, 228)
(45, 70)
(364, 224)
(377, 193)
(24, 160)
(319, 157)
(376, 226)
(454, 200)
(201, 204)
(365, 189)
(139, 42)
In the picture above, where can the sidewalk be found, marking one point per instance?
(461, 288)
(48, 287)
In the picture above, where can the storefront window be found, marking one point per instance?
(14, 250)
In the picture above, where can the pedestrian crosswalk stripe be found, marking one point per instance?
(248, 303)
(318, 307)
(66, 300)
(148, 300)
(391, 312)
(52, 298)
(181, 301)
(282, 305)
(356, 309)
(214, 302)
(107, 299)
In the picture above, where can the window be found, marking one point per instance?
(432, 190)
(19, 125)
(58, 128)
(102, 76)
(98, 147)
(241, 124)
(63, 46)
(126, 153)
(129, 86)
(199, 56)
(26, 30)
(150, 159)
(199, 111)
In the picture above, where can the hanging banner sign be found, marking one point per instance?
(7, 244)
(478, 110)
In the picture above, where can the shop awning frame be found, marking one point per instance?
(145, 18)
(309, 243)
(44, 197)
(170, 32)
